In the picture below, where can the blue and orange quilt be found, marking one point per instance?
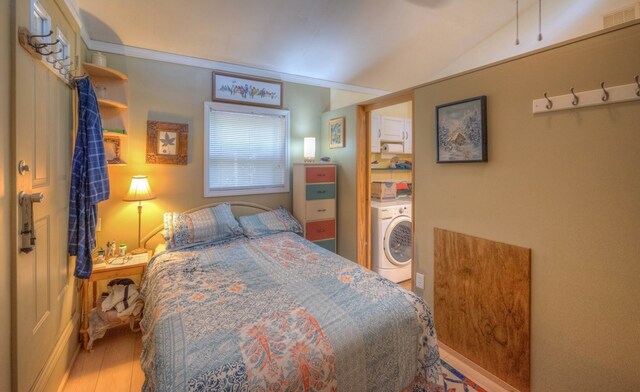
(279, 313)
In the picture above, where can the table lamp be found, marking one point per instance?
(309, 149)
(139, 191)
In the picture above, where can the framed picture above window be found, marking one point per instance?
(336, 132)
(246, 150)
(461, 131)
(167, 143)
(246, 90)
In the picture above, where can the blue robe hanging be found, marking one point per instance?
(89, 180)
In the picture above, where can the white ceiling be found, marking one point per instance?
(380, 44)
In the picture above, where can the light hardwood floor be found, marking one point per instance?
(112, 366)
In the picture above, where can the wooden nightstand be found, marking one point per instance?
(117, 268)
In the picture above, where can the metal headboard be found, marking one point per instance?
(239, 208)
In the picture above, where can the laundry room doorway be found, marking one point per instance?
(384, 190)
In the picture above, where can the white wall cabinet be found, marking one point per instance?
(376, 133)
(391, 129)
(408, 136)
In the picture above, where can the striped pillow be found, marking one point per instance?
(269, 222)
(207, 225)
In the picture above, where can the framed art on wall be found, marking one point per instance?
(167, 142)
(461, 131)
(247, 90)
(336, 132)
(112, 150)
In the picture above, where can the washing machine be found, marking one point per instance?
(391, 239)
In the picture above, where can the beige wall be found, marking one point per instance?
(5, 186)
(176, 93)
(345, 158)
(565, 184)
(343, 98)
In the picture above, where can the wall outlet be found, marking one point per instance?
(99, 224)
(419, 281)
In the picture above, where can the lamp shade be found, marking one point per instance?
(139, 190)
(309, 149)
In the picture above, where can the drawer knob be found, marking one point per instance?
(322, 210)
(322, 191)
(321, 230)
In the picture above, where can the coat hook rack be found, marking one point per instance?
(43, 51)
(576, 100)
(601, 96)
(605, 95)
(549, 104)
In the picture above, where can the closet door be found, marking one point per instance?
(43, 296)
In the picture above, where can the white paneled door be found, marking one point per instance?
(44, 296)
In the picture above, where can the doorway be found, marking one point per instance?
(372, 143)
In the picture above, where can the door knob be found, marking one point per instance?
(30, 197)
(23, 168)
(27, 229)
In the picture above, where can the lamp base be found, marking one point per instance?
(139, 251)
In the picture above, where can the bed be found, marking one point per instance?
(263, 309)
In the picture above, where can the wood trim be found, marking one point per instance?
(363, 174)
(389, 100)
(57, 354)
(65, 378)
(363, 207)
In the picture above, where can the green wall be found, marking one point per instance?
(345, 158)
(176, 93)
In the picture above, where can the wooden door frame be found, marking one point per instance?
(363, 173)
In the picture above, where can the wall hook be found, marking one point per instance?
(549, 103)
(638, 83)
(605, 95)
(575, 100)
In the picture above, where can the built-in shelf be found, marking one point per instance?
(111, 103)
(112, 88)
(104, 72)
(389, 169)
(114, 134)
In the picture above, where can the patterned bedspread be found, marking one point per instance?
(279, 313)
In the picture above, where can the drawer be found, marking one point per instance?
(322, 209)
(320, 230)
(321, 174)
(321, 191)
(327, 244)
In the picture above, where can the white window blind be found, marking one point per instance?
(246, 150)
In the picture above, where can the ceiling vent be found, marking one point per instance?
(621, 16)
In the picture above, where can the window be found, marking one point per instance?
(63, 51)
(40, 21)
(246, 150)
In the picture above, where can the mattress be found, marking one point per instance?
(279, 313)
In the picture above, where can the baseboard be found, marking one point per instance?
(43, 381)
(476, 367)
(65, 378)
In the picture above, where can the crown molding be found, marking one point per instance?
(166, 57)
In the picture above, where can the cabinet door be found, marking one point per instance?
(375, 133)
(408, 136)
(392, 129)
